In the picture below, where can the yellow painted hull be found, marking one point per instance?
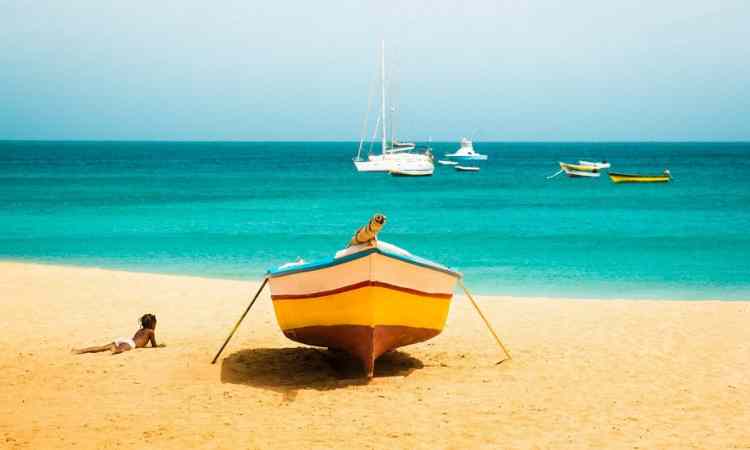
(624, 178)
(367, 305)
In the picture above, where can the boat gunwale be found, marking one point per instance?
(333, 261)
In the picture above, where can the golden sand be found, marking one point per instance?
(584, 374)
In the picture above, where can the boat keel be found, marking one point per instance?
(365, 343)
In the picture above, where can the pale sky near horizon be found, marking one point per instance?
(284, 70)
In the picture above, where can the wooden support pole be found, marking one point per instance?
(486, 322)
(265, 280)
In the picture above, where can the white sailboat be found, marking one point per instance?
(395, 156)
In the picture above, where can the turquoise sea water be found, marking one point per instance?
(235, 209)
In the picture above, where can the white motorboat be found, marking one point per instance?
(466, 152)
(394, 153)
(466, 168)
(443, 162)
(595, 165)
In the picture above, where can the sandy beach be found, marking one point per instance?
(584, 374)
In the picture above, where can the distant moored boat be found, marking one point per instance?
(578, 170)
(393, 153)
(633, 178)
(466, 152)
(466, 168)
(596, 165)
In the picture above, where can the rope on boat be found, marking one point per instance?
(486, 322)
(553, 176)
(265, 280)
(364, 124)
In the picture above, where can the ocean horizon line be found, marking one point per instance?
(345, 141)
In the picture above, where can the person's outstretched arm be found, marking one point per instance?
(152, 340)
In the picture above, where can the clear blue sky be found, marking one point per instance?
(291, 70)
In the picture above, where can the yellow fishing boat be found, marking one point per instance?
(630, 178)
(366, 300)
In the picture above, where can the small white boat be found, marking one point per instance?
(595, 165)
(467, 168)
(443, 162)
(466, 152)
(579, 170)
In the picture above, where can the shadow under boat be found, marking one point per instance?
(295, 368)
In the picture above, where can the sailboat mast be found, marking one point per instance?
(382, 96)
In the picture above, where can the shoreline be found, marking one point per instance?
(478, 292)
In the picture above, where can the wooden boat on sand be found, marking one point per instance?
(632, 178)
(366, 300)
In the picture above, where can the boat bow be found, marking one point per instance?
(365, 300)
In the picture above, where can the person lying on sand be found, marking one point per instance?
(142, 337)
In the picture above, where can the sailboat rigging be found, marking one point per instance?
(395, 155)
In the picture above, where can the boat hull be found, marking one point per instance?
(595, 165)
(366, 343)
(576, 170)
(366, 303)
(577, 167)
(372, 166)
(580, 174)
(393, 161)
(466, 168)
(411, 173)
(628, 178)
(421, 167)
(457, 157)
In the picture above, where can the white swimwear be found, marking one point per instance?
(128, 341)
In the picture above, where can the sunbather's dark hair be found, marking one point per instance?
(148, 321)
